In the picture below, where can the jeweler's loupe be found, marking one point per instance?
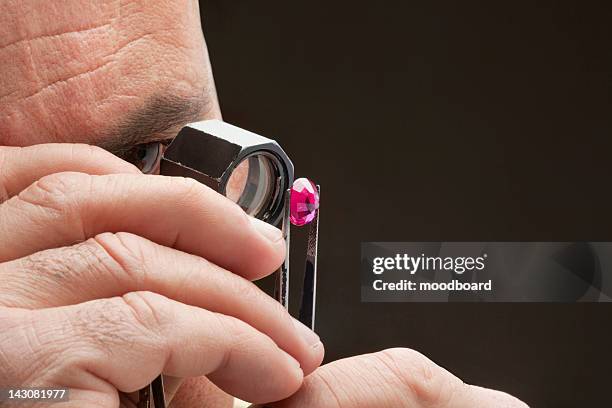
(254, 172)
(249, 169)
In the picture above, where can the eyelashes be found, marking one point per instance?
(147, 156)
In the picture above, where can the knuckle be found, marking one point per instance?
(240, 339)
(235, 328)
(104, 323)
(406, 357)
(240, 333)
(96, 259)
(428, 383)
(55, 192)
(188, 188)
(61, 264)
(100, 328)
(61, 271)
(149, 309)
(126, 257)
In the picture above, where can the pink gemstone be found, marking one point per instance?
(304, 201)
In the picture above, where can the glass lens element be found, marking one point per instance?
(237, 181)
(252, 184)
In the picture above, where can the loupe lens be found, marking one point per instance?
(253, 184)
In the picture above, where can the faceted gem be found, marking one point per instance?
(304, 201)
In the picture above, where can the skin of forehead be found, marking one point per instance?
(109, 73)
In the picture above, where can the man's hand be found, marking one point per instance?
(110, 277)
(394, 378)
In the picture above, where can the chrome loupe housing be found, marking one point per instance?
(249, 169)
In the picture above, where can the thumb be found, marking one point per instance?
(391, 378)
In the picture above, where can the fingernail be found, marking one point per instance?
(311, 338)
(270, 232)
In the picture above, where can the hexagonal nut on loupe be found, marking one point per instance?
(249, 169)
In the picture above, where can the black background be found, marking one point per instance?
(439, 121)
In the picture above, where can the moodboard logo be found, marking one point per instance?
(414, 264)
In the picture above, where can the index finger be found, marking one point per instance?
(65, 208)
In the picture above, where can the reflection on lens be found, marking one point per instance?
(252, 184)
(237, 181)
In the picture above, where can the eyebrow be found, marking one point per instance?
(159, 119)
